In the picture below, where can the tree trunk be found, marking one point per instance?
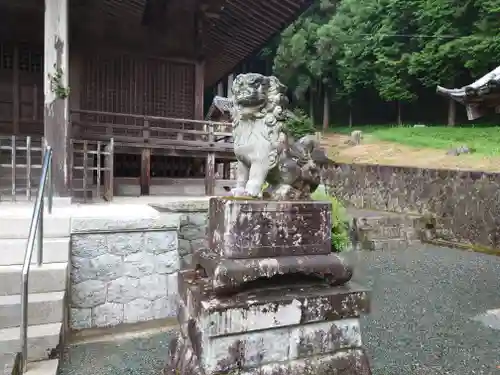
(311, 103)
(350, 113)
(400, 122)
(452, 112)
(326, 111)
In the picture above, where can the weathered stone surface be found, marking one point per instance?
(248, 229)
(269, 314)
(153, 286)
(278, 345)
(88, 293)
(352, 361)
(262, 146)
(80, 319)
(383, 231)
(167, 263)
(159, 242)
(123, 290)
(183, 206)
(123, 244)
(107, 315)
(198, 219)
(123, 218)
(89, 246)
(272, 306)
(105, 267)
(229, 274)
(126, 278)
(465, 204)
(138, 310)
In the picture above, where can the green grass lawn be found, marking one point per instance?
(484, 139)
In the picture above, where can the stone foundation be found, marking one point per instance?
(267, 296)
(123, 270)
(270, 330)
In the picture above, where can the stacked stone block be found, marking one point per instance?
(268, 297)
(124, 277)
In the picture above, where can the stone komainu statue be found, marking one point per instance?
(262, 145)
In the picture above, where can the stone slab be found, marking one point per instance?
(349, 361)
(269, 307)
(250, 349)
(230, 274)
(254, 229)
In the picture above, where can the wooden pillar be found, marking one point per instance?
(220, 89)
(210, 174)
(56, 75)
(226, 171)
(210, 166)
(15, 92)
(76, 63)
(199, 90)
(230, 79)
(145, 180)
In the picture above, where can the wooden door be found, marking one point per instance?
(21, 90)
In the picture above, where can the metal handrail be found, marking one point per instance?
(35, 235)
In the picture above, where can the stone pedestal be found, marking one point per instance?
(268, 297)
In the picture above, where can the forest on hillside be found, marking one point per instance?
(379, 61)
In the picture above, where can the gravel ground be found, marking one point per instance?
(424, 301)
(144, 355)
(425, 304)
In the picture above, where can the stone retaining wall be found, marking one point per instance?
(192, 227)
(123, 269)
(465, 204)
(124, 264)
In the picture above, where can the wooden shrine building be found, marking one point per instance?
(116, 87)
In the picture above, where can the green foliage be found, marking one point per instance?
(340, 220)
(395, 47)
(300, 124)
(56, 85)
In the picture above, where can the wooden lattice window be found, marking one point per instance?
(6, 56)
(135, 85)
(29, 60)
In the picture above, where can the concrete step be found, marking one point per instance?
(50, 277)
(375, 230)
(16, 225)
(48, 367)
(7, 361)
(43, 308)
(43, 340)
(55, 250)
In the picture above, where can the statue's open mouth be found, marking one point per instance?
(250, 100)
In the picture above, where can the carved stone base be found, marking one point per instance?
(231, 274)
(282, 329)
(346, 362)
(253, 239)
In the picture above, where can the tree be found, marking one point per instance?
(341, 50)
(458, 40)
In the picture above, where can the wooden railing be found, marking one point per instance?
(20, 166)
(155, 131)
(91, 169)
(170, 136)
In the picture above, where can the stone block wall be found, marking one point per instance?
(124, 277)
(125, 259)
(192, 227)
(465, 204)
